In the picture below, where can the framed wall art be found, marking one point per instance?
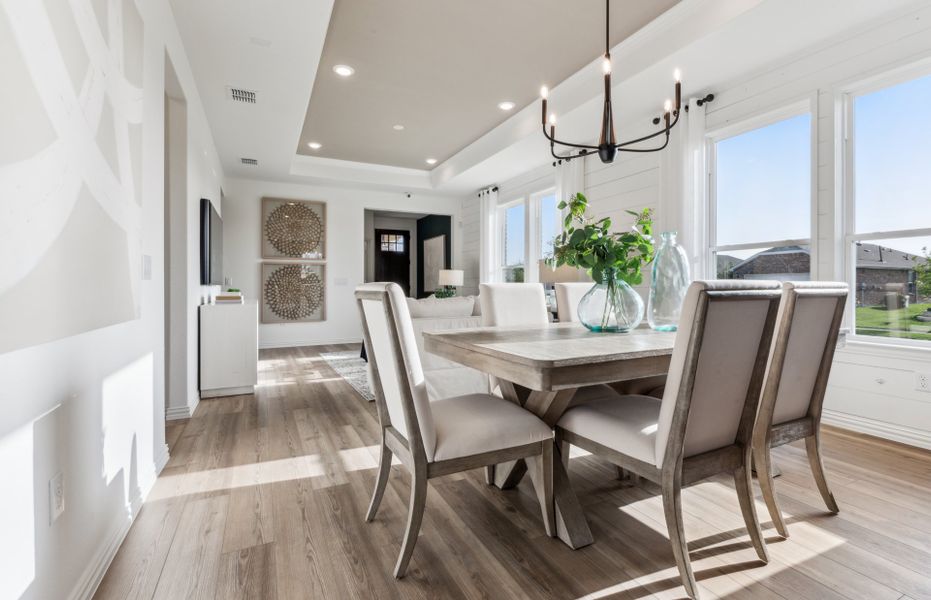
(293, 292)
(434, 259)
(293, 229)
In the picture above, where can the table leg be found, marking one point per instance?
(571, 526)
(549, 406)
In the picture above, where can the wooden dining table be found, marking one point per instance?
(541, 368)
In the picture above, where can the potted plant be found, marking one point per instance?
(614, 260)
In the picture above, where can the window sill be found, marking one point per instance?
(907, 349)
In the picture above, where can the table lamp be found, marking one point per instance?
(449, 279)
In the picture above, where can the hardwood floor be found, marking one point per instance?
(264, 497)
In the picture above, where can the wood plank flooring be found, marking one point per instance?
(264, 498)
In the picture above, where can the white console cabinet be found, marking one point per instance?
(229, 349)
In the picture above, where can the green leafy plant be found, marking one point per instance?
(923, 274)
(590, 244)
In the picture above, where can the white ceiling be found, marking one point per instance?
(275, 48)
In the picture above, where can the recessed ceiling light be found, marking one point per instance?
(343, 70)
(506, 105)
(314, 145)
(431, 161)
(398, 127)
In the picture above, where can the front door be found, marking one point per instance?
(393, 257)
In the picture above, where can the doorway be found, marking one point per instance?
(393, 257)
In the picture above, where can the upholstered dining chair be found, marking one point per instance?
(568, 296)
(809, 321)
(439, 437)
(704, 423)
(513, 304)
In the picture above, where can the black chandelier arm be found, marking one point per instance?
(651, 136)
(567, 157)
(553, 140)
(663, 147)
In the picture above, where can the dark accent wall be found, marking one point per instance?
(428, 227)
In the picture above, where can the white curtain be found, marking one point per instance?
(570, 179)
(488, 228)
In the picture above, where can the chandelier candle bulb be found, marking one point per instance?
(606, 65)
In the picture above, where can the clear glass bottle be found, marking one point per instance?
(611, 306)
(669, 284)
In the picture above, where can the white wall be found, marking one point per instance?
(345, 264)
(90, 406)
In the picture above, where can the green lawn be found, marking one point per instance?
(900, 323)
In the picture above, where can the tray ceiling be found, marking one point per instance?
(439, 68)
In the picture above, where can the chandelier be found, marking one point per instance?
(607, 146)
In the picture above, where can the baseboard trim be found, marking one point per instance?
(881, 429)
(181, 412)
(93, 575)
(233, 391)
(161, 459)
(315, 342)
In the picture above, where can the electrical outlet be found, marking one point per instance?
(923, 382)
(56, 496)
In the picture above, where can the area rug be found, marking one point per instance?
(353, 369)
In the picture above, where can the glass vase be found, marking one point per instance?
(611, 306)
(669, 284)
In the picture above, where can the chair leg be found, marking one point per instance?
(813, 446)
(672, 507)
(541, 473)
(764, 475)
(414, 518)
(490, 475)
(381, 480)
(748, 509)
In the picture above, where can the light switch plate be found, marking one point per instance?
(56, 496)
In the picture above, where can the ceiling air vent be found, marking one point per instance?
(250, 161)
(240, 95)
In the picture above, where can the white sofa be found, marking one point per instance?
(444, 378)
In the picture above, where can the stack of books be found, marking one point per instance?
(228, 298)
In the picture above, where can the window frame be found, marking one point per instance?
(533, 226)
(753, 122)
(847, 98)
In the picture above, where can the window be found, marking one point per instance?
(888, 216)
(761, 198)
(527, 229)
(392, 243)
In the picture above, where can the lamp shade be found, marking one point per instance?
(450, 277)
(563, 274)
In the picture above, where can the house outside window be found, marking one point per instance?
(760, 197)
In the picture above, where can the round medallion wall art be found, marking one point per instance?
(294, 285)
(294, 229)
(293, 292)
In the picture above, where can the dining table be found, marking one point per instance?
(541, 368)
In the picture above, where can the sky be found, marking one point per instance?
(763, 175)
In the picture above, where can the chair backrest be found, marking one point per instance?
(398, 379)
(568, 296)
(809, 321)
(513, 304)
(717, 368)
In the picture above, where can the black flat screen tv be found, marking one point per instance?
(211, 244)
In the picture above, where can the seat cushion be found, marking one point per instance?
(476, 423)
(626, 424)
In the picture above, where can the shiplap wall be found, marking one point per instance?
(872, 387)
